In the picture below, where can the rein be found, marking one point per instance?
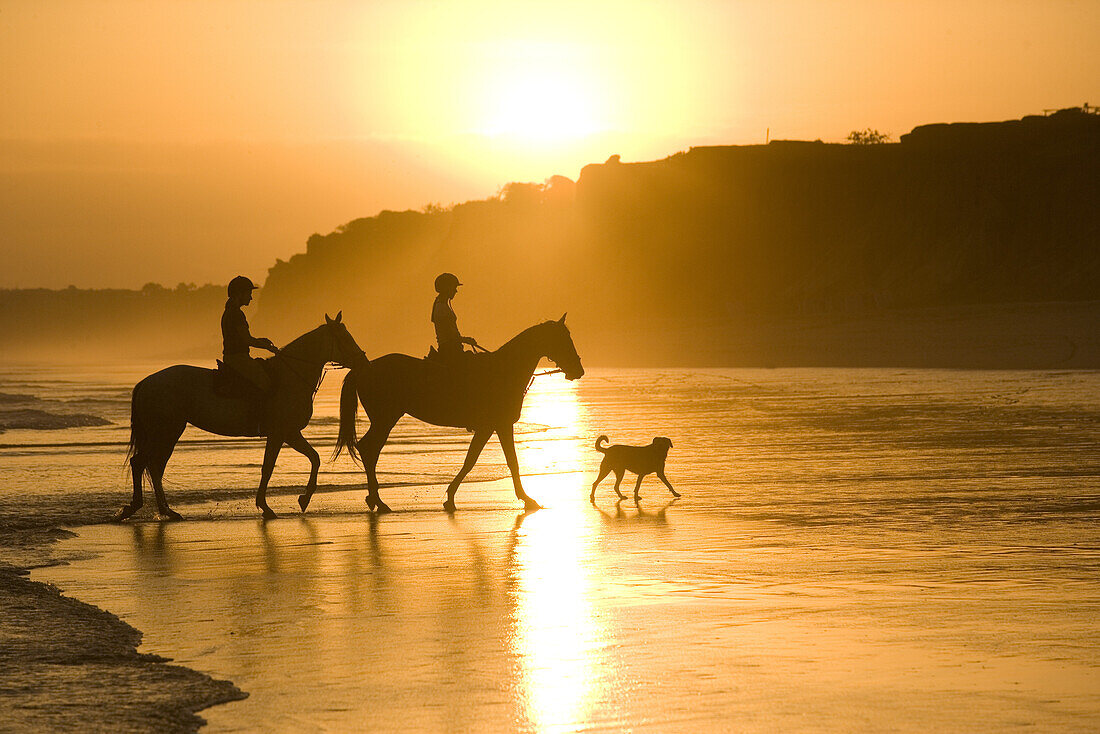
(304, 380)
(539, 374)
(483, 350)
(324, 367)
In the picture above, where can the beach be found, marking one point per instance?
(855, 549)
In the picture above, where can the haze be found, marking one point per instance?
(190, 141)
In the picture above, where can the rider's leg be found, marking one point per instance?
(251, 369)
(271, 453)
(477, 443)
(508, 445)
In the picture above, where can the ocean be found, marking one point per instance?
(854, 550)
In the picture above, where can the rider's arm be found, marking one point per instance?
(263, 343)
(256, 341)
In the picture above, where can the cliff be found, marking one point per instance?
(716, 253)
(962, 245)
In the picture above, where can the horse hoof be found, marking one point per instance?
(382, 508)
(449, 506)
(124, 512)
(529, 505)
(371, 502)
(170, 515)
(303, 501)
(269, 514)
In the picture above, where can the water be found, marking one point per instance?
(854, 550)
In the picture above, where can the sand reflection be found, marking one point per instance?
(552, 401)
(555, 636)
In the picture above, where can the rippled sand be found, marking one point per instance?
(855, 550)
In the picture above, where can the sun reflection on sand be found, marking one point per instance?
(556, 634)
(552, 402)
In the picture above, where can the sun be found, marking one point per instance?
(542, 97)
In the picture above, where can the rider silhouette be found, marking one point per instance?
(448, 336)
(236, 339)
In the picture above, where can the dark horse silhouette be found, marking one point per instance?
(483, 393)
(165, 402)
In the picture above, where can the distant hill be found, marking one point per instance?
(111, 325)
(728, 255)
(962, 245)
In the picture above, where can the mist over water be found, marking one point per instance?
(855, 549)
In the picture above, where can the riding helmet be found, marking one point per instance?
(240, 284)
(446, 281)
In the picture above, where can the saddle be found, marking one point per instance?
(231, 385)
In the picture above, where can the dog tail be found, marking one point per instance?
(601, 439)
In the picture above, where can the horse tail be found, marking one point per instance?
(349, 407)
(601, 439)
(137, 429)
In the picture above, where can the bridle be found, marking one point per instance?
(324, 367)
(540, 374)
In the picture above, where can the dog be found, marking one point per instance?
(641, 460)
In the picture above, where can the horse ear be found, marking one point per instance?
(327, 319)
(562, 319)
(339, 315)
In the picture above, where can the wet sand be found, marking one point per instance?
(68, 666)
(655, 617)
(855, 550)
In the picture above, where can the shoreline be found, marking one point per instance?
(67, 663)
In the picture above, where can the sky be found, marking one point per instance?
(188, 141)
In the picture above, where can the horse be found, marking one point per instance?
(164, 403)
(482, 393)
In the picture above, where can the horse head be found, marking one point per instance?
(561, 351)
(345, 351)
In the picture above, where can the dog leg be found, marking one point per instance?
(618, 481)
(604, 471)
(663, 478)
(638, 486)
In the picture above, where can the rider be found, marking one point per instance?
(236, 338)
(446, 323)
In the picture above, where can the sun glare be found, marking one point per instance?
(540, 92)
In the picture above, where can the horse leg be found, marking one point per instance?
(137, 468)
(370, 447)
(158, 460)
(508, 444)
(477, 443)
(301, 445)
(271, 453)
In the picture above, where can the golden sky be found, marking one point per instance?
(141, 137)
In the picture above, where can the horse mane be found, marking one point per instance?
(522, 336)
(300, 341)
